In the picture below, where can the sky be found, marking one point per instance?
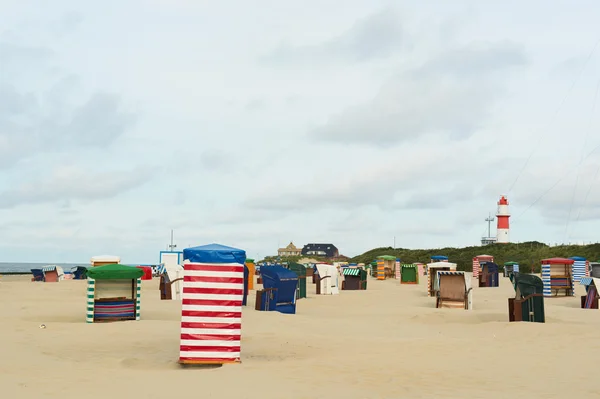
(253, 124)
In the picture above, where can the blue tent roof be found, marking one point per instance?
(577, 258)
(214, 253)
(439, 257)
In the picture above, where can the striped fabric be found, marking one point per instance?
(590, 297)
(550, 281)
(579, 270)
(49, 268)
(350, 272)
(117, 308)
(515, 268)
(211, 313)
(90, 300)
(587, 269)
(476, 267)
(429, 282)
(546, 280)
(138, 297)
(586, 281)
(380, 269)
(105, 310)
(397, 274)
(421, 270)
(477, 264)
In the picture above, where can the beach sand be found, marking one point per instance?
(386, 342)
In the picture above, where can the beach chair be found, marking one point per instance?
(528, 303)
(453, 290)
(79, 273)
(590, 300)
(38, 275)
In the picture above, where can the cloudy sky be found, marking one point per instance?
(255, 123)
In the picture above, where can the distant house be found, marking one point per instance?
(290, 250)
(325, 250)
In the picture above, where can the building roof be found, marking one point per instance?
(290, 247)
(320, 246)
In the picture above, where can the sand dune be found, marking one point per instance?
(386, 342)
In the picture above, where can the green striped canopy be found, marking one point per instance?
(114, 272)
(409, 265)
(350, 272)
(386, 257)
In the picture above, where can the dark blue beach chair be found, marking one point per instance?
(38, 275)
(79, 273)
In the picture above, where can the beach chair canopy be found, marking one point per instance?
(557, 261)
(510, 263)
(589, 281)
(38, 274)
(491, 266)
(297, 268)
(386, 257)
(214, 253)
(114, 272)
(464, 278)
(105, 258)
(439, 257)
(453, 286)
(352, 271)
(79, 272)
(282, 279)
(526, 284)
(441, 264)
(454, 289)
(173, 272)
(408, 273)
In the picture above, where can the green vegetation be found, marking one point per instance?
(527, 254)
(291, 259)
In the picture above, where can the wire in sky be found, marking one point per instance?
(558, 181)
(564, 99)
(588, 192)
(589, 128)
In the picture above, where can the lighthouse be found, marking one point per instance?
(502, 216)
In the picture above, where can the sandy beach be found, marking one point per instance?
(386, 342)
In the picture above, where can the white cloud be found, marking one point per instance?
(452, 93)
(73, 184)
(375, 36)
(350, 125)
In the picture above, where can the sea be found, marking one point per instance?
(19, 267)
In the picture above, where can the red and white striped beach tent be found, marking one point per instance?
(477, 263)
(211, 310)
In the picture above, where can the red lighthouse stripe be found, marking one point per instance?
(503, 222)
(212, 301)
